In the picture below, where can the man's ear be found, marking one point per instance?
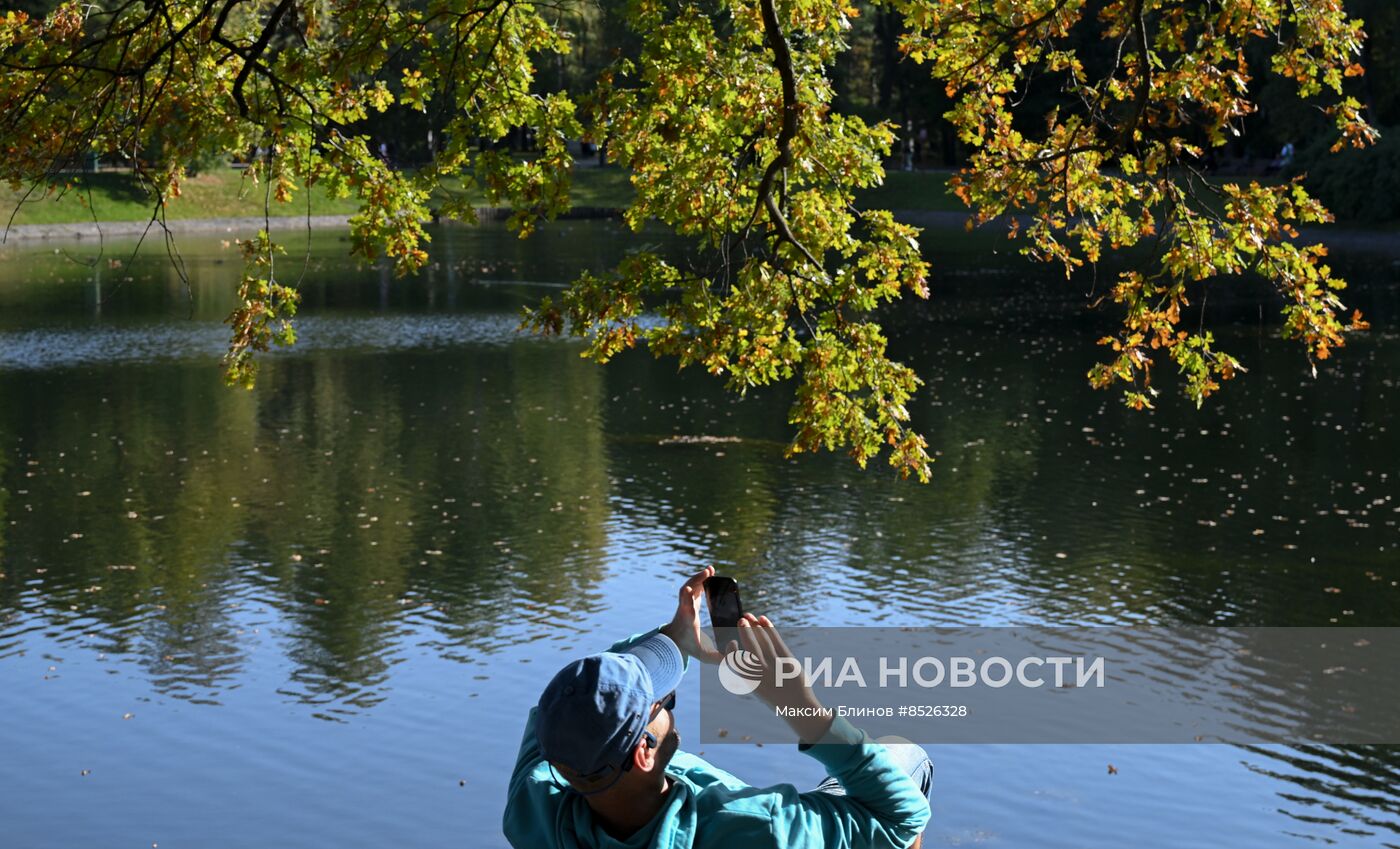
(644, 756)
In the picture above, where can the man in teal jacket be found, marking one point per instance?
(600, 765)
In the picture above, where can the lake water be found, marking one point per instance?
(316, 614)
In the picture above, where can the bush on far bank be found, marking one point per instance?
(1357, 185)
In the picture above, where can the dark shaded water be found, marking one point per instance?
(316, 614)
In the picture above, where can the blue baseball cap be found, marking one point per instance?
(594, 711)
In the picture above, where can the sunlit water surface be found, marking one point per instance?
(316, 614)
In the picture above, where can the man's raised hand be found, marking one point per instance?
(684, 627)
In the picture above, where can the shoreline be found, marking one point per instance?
(104, 229)
(1341, 237)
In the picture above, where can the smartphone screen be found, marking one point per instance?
(723, 595)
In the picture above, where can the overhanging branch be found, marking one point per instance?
(787, 131)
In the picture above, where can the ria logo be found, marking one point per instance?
(740, 672)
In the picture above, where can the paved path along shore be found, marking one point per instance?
(238, 226)
(113, 229)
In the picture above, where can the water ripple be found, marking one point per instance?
(202, 340)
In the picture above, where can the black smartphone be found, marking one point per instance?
(723, 595)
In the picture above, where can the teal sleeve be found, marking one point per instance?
(533, 798)
(883, 808)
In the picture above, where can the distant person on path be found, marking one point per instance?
(600, 764)
(1284, 158)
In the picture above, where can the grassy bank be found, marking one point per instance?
(227, 194)
(117, 196)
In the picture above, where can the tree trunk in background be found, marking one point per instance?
(887, 29)
(1368, 89)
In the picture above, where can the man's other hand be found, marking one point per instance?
(807, 717)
